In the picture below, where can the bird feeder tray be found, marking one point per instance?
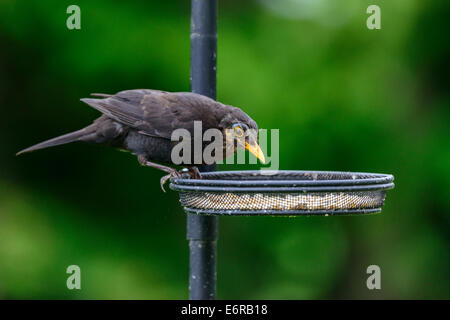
(287, 193)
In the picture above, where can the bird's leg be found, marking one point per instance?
(171, 171)
(145, 162)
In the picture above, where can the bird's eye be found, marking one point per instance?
(238, 132)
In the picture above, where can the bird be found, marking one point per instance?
(142, 121)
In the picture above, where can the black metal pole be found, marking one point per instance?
(202, 230)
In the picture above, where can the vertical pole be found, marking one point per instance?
(202, 230)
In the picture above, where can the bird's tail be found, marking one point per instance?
(67, 138)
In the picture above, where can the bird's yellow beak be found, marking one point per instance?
(254, 148)
(248, 142)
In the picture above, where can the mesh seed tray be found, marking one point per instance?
(283, 192)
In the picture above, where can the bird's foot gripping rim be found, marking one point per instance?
(185, 173)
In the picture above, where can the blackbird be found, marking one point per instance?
(142, 122)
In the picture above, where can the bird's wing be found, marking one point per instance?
(156, 113)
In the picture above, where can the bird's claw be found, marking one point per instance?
(196, 174)
(164, 179)
(190, 173)
(185, 173)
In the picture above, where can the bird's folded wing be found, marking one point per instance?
(152, 112)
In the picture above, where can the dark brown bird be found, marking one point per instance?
(142, 122)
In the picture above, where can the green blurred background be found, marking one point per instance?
(344, 98)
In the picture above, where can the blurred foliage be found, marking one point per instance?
(344, 98)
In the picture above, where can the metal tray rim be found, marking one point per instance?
(379, 178)
(283, 189)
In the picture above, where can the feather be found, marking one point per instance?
(67, 138)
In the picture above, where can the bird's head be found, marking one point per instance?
(241, 131)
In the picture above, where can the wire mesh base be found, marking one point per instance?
(283, 193)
